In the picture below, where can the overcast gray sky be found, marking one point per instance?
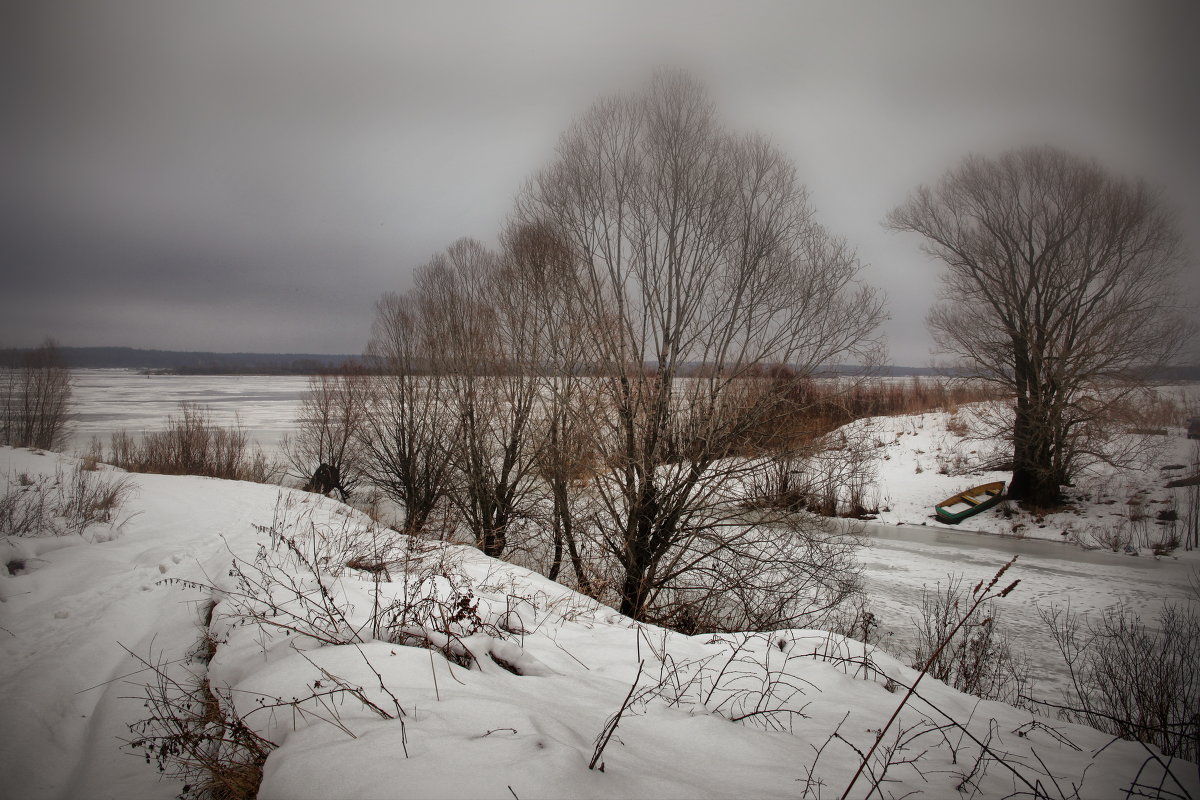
(253, 175)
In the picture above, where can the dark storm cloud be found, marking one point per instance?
(252, 176)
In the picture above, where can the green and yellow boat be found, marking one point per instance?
(962, 505)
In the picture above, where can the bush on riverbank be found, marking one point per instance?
(192, 445)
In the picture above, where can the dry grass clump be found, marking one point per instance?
(70, 502)
(801, 410)
(192, 445)
(190, 734)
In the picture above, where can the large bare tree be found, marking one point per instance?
(484, 348)
(404, 434)
(1059, 285)
(697, 262)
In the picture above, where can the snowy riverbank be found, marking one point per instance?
(711, 716)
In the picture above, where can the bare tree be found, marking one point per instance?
(698, 262)
(540, 266)
(35, 399)
(404, 433)
(1059, 286)
(485, 350)
(331, 420)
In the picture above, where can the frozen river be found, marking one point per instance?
(899, 562)
(108, 400)
(903, 559)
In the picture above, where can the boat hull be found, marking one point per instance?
(955, 509)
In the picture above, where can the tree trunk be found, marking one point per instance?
(637, 552)
(1035, 482)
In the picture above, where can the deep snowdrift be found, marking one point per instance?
(524, 676)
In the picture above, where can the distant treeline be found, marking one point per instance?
(190, 363)
(180, 362)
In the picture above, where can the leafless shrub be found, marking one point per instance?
(1132, 679)
(799, 573)
(192, 445)
(71, 502)
(331, 420)
(284, 589)
(977, 658)
(782, 484)
(1167, 542)
(191, 733)
(752, 683)
(855, 621)
(979, 597)
(1191, 537)
(839, 472)
(1112, 537)
(292, 589)
(35, 397)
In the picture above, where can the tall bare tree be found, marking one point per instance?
(485, 349)
(539, 266)
(404, 434)
(1059, 285)
(698, 262)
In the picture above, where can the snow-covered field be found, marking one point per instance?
(768, 715)
(922, 459)
(710, 716)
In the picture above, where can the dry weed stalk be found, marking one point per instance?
(981, 595)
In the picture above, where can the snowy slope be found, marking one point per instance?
(922, 459)
(750, 715)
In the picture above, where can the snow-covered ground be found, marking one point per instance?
(765, 715)
(923, 459)
(1066, 557)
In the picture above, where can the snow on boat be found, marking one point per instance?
(962, 505)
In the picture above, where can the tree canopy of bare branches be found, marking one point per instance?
(694, 263)
(331, 421)
(482, 345)
(1059, 285)
(403, 435)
